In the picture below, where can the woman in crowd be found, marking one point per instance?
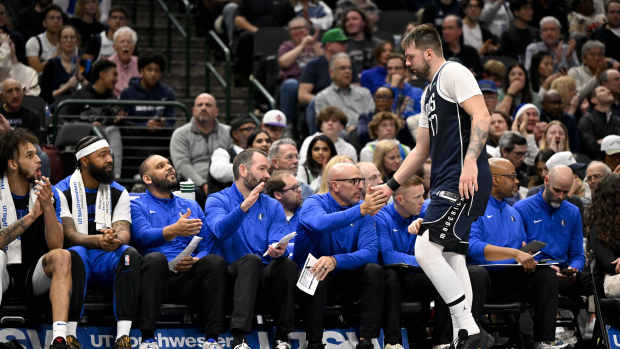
(315, 11)
(500, 123)
(537, 178)
(555, 137)
(330, 121)
(260, 139)
(320, 151)
(541, 75)
(323, 188)
(567, 87)
(86, 20)
(374, 77)
(361, 41)
(516, 90)
(384, 125)
(387, 158)
(526, 121)
(61, 75)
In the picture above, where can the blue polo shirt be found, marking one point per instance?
(395, 242)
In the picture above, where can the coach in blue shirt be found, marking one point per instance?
(496, 238)
(246, 223)
(163, 225)
(548, 217)
(284, 187)
(340, 231)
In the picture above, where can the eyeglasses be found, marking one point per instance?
(511, 176)
(296, 187)
(354, 181)
(594, 176)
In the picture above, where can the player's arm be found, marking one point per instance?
(474, 106)
(10, 233)
(414, 160)
(76, 238)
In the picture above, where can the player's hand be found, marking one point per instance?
(43, 189)
(322, 267)
(468, 183)
(277, 251)
(414, 227)
(186, 226)
(373, 202)
(383, 188)
(186, 263)
(617, 264)
(252, 197)
(4, 123)
(526, 260)
(108, 240)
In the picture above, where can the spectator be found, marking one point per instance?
(496, 16)
(368, 6)
(149, 87)
(582, 20)
(520, 33)
(31, 18)
(552, 111)
(516, 90)
(192, 144)
(69, 7)
(260, 139)
(330, 121)
(31, 251)
(557, 9)
(406, 97)
(488, 245)
(564, 237)
(351, 99)
(527, 123)
(284, 187)
(384, 126)
(384, 101)
(387, 158)
(371, 175)
(42, 47)
(513, 147)
(611, 146)
(101, 46)
(361, 40)
(474, 34)
(564, 55)
(567, 88)
(495, 71)
(220, 170)
(125, 40)
(320, 150)
(453, 46)
(595, 172)
(12, 68)
(610, 78)
(86, 20)
(61, 75)
(197, 279)
(339, 218)
(537, 179)
(101, 233)
(374, 77)
(436, 10)
(555, 137)
(489, 92)
(315, 11)
(274, 122)
(7, 26)
(499, 124)
(246, 223)
(13, 113)
(315, 76)
(397, 248)
(284, 157)
(607, 33)
(593, 64)
(541, 75)
(601, 121)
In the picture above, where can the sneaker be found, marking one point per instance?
(282, 345)
(211, 344)
(73, 342)
(481, 340)
(393, 346)
(556, 344)
(123, 343)
(58, 343)
(241, 344)
(149, 344)
(364, 344)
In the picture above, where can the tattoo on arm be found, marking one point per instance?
(10, 233)
(477, 140)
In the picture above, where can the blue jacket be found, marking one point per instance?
(395, 242)
(150, 215)
(161, 92)
(373, 78)
(501, 225)
(410, 96)
(328, 229)
(560, 228)
(239, 233)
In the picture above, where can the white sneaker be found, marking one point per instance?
(557, 344)
(282, 345)
(242, 345)
(210, 344)
(149, 345)
(393, 346)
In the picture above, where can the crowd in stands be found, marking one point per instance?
(349, 113)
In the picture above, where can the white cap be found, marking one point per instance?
(274, 117)
(611, 144)
(525, 107)
(561, 158)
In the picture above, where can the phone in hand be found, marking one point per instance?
(533, 247)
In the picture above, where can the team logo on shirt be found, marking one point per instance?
(512, 218)
(127, 260)
(563, 222)
(260, 216)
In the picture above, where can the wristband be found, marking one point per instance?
(393, 184)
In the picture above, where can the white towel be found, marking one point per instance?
(9, 216)
(79, 208)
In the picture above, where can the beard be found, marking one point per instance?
(547, 196)
(30, 177)
(423, 72)
(100, 174)
(250, 182)
(164, 184)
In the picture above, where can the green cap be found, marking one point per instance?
(334, 35)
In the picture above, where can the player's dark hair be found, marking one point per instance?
(9, 145)
(423, 36)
